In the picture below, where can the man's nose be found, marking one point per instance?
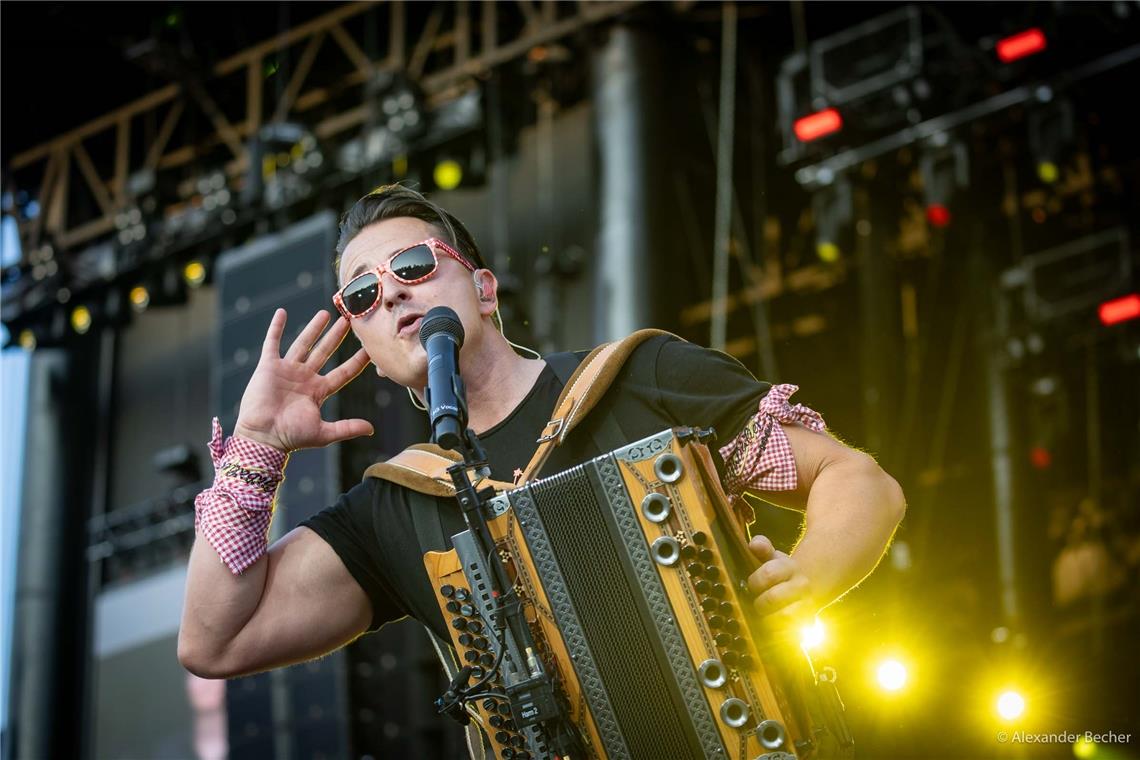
(392, 291)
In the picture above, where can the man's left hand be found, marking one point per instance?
(780, 587)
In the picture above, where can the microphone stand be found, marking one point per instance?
(532, 699)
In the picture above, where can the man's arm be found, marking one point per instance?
(852, 508)
(295, 603)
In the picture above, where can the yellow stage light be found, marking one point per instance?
(81, 319)
(140, 298)
(194, 273)
(827, 252)
(27, 340)
(891, 675)
(1048, 172)
(811, 636)
(1010, 705)
(448, 174)
(1084, 748)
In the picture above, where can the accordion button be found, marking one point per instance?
(706, 556)
(726, 609)
(688, 551)
(480, 643)
(518, 742)
(732, 626)
(496, 721)
(475, 626)
(699, 538)
(709, 605)
(508, 754)
(453, 606)
(477, 673)
(746, 661)
(712, 572)
(458, 623)
(502, 737)
(471, 656)
(486, 659)
(466, 610)
(703, 587)
(723, 640)
(730, 659)
(522, 755)
(716, 622)
(489, 704)
(738, 644)
(462, 594)
(447, 590)
(465, 639)
(504, 708)
(696, 569)
(718, 590)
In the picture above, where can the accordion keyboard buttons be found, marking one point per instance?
(447, 591)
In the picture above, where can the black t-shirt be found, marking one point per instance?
(665, 382)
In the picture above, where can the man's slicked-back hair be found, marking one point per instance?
(392, 201)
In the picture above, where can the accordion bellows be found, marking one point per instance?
(631, 569)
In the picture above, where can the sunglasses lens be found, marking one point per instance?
(360, 294)
(413, 264)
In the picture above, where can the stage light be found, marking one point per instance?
(27, 340)
(1084, 748)
(140, 298)
(1010, 705)
(1048, 172)
(81, 319)
(891, 675)
(1020, 45)
(817, 125)
(447, 174)
(812, 636)
(194, 273)
(938, 215)
(1119, 309)
(827, 252)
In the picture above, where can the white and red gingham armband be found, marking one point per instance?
(760, 457)
(234, 514)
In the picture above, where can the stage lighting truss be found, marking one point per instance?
(148, 536)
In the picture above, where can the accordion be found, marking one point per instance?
(630, 571)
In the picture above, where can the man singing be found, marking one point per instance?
(358, 564)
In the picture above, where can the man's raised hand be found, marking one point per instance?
(281, 406)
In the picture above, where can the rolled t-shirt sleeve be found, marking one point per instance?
(703, 387)
(348, 527)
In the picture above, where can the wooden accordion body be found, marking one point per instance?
(631, 569)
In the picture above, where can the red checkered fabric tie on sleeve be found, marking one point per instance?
(235, 513)
(760, 458)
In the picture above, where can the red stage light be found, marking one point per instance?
(1040, 457)
(938, 215)
(1120, 309)
(1020, 45)
(817, 125)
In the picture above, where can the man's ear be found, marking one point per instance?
(379, 372)
(486, 289)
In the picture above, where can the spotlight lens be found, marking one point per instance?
(140, 298)
(81, 319)
(448, 174)
(195, 273)
(1047, 172)
(1010, 705)
(827, 252)
(892, 675)
(811, 636)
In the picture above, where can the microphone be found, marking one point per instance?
(441, 334)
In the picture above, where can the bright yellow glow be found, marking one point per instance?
(400, 166)
(27, 340)
(891, 675)
(827, 252)
(195, 273)
(81, 319)
(448, 174)
(140, 298)
(1010, 705)
(1048, 172)
(812, 636)
(1084, 748)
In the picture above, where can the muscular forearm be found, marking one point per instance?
(852, 511)
(217, 606)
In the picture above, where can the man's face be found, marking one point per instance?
(391, 333)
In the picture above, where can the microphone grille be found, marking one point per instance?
(441, 319)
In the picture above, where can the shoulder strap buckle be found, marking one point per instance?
(556, 423)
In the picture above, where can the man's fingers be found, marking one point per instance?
(345, 373)
(328, 344)
(305, 340)
(762, 548)
(342, 430)
(272, 346)
(774, 571)
(781, 596)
